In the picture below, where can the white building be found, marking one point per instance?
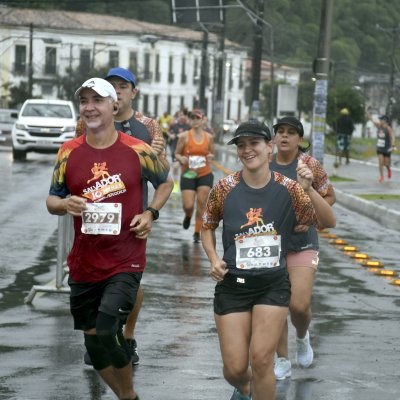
(41, 47)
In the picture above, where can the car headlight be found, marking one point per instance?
(21, 127)
(70, 128)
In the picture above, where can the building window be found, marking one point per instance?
(50, 66)
(113, 60)
(84, 60)
(195, 68)
(182, 105)
(158, 75)
(156, 105)
(241, 84)
(47, 89)
(239, 114)
(147, 73)
(133, 65)
(228, 110)
(170, 69)
(146, 104)
(183, 73)
(20, 59)
(169, 104)
(230, 77)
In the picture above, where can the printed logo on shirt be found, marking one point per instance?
(104, 184)
(256, 224)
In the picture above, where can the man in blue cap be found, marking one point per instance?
(127, 119)
(144, 128)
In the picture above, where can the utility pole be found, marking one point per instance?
(30, 62)
(204, 71)
(256, 63)
(272, 78)
(219, 107)
(321, 70)
(394, 32)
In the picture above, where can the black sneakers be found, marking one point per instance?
(133, 346)
(186, 222)
(196, 237)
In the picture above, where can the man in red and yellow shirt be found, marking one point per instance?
(98, 179)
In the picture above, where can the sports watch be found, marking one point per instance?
(154, 212)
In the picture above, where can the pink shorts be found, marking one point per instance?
(305, 258)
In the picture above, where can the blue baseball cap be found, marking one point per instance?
(122, 73)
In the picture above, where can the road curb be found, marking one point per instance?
(385, 216)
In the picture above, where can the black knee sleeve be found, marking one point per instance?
(109, 332)
(97, 352)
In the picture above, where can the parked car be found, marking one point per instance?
(8, 117)
(229, 126)
(42, 126)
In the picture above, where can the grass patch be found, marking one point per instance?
(380, 196)
(336, 178)
(360, 148)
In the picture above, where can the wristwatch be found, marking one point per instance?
(154, 212)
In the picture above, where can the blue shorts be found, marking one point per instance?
(343, 142)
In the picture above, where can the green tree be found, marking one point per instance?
(345, 97)
(74, 78)
(305, 95)
(18, 94)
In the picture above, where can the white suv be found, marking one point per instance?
(43, 126)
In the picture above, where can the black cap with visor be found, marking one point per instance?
(251, 129)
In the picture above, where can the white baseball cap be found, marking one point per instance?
(100, 86)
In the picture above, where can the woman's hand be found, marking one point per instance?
(304, 176)
(218, 270)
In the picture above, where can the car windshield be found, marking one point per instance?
(47, 110)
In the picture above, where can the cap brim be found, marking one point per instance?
(121, 77)
(287, 123)
(246, 134)
(102, 93)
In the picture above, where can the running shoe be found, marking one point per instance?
(305, 354)
(176, 187)
(133, 347)
(238, 396)
(186, 222)
(282, 368)
(196, 237)
(389, 173)
(381, 179)
(86, 359)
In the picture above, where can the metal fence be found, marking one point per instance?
(65, 240)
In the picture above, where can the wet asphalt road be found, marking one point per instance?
(355, 329)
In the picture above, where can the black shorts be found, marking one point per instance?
(194, 183)
(237, 294)
(384, 153)
(115, 296)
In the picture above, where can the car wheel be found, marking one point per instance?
(19, 155)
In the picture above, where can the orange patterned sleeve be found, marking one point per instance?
(80, 128)
(321, 182)
(301, 203)
(216, 200)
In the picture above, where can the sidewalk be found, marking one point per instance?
(364, 180)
